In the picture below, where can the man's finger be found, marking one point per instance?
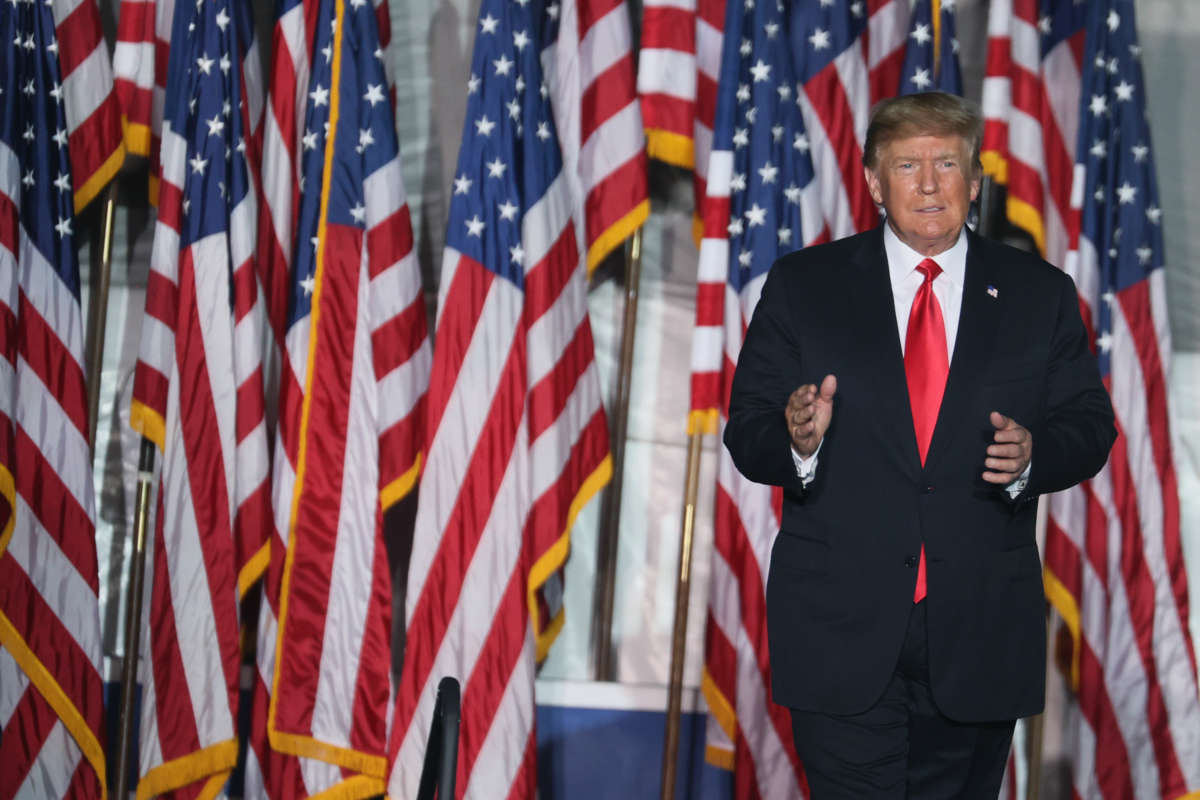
(999, 421)
(1011, 435)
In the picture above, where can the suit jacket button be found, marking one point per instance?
(910, 561)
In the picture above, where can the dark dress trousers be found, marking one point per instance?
(843, 567)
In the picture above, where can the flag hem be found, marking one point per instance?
(100, 178)
(671, 147)
(214, 763)
(615, 234)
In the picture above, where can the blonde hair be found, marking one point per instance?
(923, 114)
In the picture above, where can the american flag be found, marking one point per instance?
(59, 145)
(355, 372)
(1031, 114)
(848, 55)
(1114, 563)
(931, 52)
(198, 395)
(678, 67)
(762, 202)
(140, 58)
(518, 440)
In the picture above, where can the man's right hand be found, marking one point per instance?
(808, 412)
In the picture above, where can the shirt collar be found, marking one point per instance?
(903, 260)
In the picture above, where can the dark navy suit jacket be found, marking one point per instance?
(843, 566)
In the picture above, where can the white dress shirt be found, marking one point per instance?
(906, 279)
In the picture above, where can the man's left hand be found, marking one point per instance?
(1010, 451)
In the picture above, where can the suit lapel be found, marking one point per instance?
(883, 359)
(978, 323)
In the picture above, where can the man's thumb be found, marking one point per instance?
(828, 388)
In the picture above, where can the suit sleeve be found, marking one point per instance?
(1072, 441)
(768, 371)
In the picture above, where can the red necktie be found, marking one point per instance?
(926, 364)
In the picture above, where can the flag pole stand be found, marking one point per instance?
(609, 534)
(133, 617)
(98, 315)
(679, 634)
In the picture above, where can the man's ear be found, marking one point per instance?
(874, 188)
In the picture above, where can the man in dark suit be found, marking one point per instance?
(913, 389)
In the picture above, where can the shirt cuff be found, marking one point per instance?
(1017, 486)
(806, 468)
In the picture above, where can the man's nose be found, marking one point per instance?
(927, 179)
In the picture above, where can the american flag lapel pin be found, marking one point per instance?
(992, 291)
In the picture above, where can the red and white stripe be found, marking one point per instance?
(837, 103)
(214, 507)
(518, 445)
(51, 696)
(590, 73)
(747, 732)
(140, 68)
(1031, 119)
(1115, 569)
(679, 65)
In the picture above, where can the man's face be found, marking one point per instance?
(926, 184)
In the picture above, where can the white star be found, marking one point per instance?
(522, 3)
(819, 39)
(308, 285)
(327, 51)
(792, 192)
(28, 179)
(310, 140)
(520, 84)
(785, 92)
(776, 132)
(52, 47)
(187, 204)
(771, 28)
(226, 109)
(1099, 105)
(856, 9)
(1154, 214)
(761, 71)
(359, 213)
(768, 172)
(735, 226)
(1104, 342)
(743, 92)
(785, 236)
(1099, 195)
(1099, 149)
(488, 24)
(462, 184)
(737, 182)
(30, 89)
(60, 137)
(374, 94)
(1126, 193)
(920, 34)
(1113, 21)
(29, 135)
(216, 125)
(1044, 25)
(514, 108)
(746, 47)
(365, 139)
(198, 164)
(751, 114)
(516, 254)
(1143, 253)
(473, 84)
(748, 4)
(801, 142)
(1109, 297)
(56, 92)
(741, 137)
(746, 257)
(496, 168)
(552, 11)
(1140, 151)
(225, 64)
(503, 64)
(1124, 90)
(756, 215)
(30, 44)
(520, 39)
(483, 126)
(508, 210)
(475, 226)
(205, 64)
(356, 4)
(320, 96)
(222, 20)
(64, 226)
(1113, 66)
(544, 90)
(1135, 50)
(921, 79)
(1099, 60)
(543, 131)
